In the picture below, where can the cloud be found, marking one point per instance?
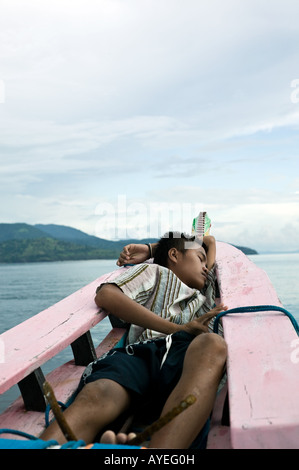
(105, 59)
(165, 102)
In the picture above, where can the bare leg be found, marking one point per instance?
(203, 367)
(98, 404)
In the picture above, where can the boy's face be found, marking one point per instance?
(190, 266)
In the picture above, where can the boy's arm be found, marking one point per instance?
(136, 253)
(210, 242)
(114, 301)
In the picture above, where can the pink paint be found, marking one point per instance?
(247, 290)
(33, 342)
(263, 382)
(64, 381)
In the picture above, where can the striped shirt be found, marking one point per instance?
(161, 291)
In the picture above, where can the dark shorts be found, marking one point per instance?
(137, 367)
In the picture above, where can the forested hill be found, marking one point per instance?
(22, 242)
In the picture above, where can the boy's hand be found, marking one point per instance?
(133, 254)
(200, 325)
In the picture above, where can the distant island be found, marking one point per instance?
(24, 243)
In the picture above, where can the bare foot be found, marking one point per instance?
(109, 437)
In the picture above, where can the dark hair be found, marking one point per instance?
(171, 240)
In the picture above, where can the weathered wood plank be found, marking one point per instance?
(31, 388)
(263, 382)
(64, 381)
(33, 342)
(219, 435)
(83, 350)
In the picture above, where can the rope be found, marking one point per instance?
(46, 444)
(18, 433)
(48, 409)
(257, 308)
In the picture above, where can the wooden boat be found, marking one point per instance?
(259, 406)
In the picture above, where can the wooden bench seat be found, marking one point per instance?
(263, 381)
(32, 343)
(64, 381)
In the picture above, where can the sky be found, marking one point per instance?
(126, 118)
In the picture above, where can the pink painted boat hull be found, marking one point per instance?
(263, 382)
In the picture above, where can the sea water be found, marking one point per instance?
(26, 289)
